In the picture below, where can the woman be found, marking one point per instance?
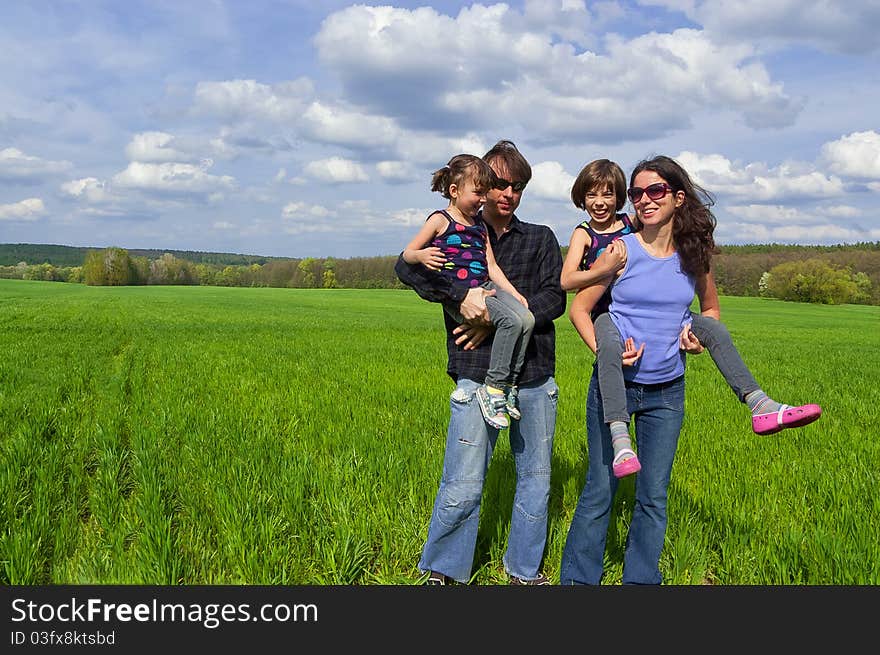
(667, 262)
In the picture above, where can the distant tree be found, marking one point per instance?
(815, 281)
(168, 269)
(307, 273)
(108, 267)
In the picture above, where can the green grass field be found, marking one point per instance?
(204, 435)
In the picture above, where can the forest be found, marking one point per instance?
(836, 274)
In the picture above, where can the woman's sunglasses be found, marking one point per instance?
(655, 191)
(501, 184)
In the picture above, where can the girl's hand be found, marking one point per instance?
(613, 258)
(630, 355)
(522, 299)
(431, 258)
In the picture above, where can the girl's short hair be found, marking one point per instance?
(460, 169)
(599, 173)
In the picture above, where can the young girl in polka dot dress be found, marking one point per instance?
(455, 243)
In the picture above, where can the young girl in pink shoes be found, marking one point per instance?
(594, 257)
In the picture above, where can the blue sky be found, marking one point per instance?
(296, 128)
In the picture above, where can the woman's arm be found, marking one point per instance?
(707, 293)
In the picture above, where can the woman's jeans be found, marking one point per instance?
(452, 534)
(658, 411)
(712, 334)
(514, 325)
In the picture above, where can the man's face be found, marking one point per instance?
(502, 203)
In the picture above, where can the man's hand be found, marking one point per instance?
(688, 341)
(630, 355)
(473, 307)
(471, 335)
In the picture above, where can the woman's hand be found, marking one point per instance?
(688, 342)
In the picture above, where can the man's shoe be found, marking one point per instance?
(437, 579)
(493, 405)
(541, 580)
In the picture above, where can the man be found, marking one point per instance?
(530, 257)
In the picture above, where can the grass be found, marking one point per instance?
(202, 435)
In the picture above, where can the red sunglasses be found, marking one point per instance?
(655, 191)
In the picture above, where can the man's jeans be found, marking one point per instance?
(658, 411)
(452, 535)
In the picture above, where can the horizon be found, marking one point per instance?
(296, 129)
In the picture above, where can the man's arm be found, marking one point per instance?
(428, 284)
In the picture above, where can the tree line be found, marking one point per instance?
(819, 274)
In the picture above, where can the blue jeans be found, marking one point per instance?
(658, 412)
(452, 534)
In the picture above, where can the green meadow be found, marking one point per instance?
(207, 435)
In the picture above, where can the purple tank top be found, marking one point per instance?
(650, 302)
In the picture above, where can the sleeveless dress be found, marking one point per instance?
(598, 243)
(465, 249)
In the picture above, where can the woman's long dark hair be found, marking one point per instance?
(694, 223)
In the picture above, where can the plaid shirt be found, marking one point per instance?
(530, 257)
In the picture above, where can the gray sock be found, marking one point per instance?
(619, 436)
(760, 403)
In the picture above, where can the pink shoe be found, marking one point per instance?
(627, 466)
(786, 417)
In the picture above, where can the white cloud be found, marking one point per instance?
(551, 181)
(333, 124)
(396, 171)
(842, 211)
(801, 234)
(848, 27)
(154, 147)
(771, 214)
(16, 165)
(173, 177)
(758, 183)
(301, 210)
(336, 170)
(386, 58)
(855, 155)
(88, 188)
(29, 209)
(249, 99)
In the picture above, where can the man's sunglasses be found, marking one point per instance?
(501, 184)
(655, 191)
